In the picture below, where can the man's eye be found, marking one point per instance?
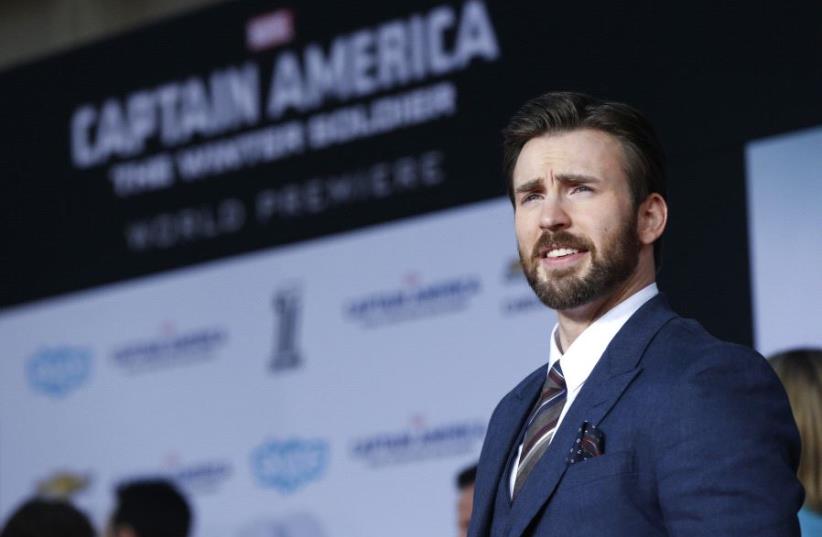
(530, 197)
(581, 188)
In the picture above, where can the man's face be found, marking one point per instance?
(575, 222)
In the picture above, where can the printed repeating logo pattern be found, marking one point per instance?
(290, 464)
(414, 300)
(419, 441)
(58, 371)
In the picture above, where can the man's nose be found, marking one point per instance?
(553, 215)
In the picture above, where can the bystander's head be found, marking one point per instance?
(801, 373)
(47, 518)
(150, 508)
(465, 487)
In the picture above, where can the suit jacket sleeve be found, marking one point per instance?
(727, 450)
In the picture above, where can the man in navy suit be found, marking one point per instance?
(641, 423)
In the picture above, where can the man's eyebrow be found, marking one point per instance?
(576, 178)
(530, 186)
(571, 178)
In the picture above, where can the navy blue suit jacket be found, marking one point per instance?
(699, 441)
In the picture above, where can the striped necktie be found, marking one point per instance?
(542, 424)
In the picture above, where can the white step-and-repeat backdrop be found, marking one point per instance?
(334, 387)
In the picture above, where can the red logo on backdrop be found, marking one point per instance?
(269, 30)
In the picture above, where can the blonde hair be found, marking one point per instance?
(801, 373)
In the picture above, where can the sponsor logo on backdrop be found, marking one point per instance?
(288, 465)
(64, 484)
(413, 300)
(525, 301)
(290, 525)
(201, 477)
(170, 347)
(420, 441)
(58, 371)
(287, 306)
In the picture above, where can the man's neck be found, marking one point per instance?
(572, 322)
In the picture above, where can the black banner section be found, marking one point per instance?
(255, 124)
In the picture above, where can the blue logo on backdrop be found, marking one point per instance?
(288, 465)
(59, 370)
(414, 300)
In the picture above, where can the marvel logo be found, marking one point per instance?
(269, 30)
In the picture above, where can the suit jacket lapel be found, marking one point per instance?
(499, 444)
(614, 372)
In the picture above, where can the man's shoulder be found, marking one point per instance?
(657, 338)
(686, 340)
(683, 353)
(662, 331)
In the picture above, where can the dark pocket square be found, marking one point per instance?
(590, 442)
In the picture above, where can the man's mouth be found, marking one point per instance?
(559, 252)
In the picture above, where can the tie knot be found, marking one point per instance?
(555, 380)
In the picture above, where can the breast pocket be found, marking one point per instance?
(597, 468)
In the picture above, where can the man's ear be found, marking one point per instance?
(652, 217)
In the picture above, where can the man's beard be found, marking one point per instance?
(562, 289)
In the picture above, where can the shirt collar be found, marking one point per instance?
(580, 358)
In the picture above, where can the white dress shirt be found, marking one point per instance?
(583, 354)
